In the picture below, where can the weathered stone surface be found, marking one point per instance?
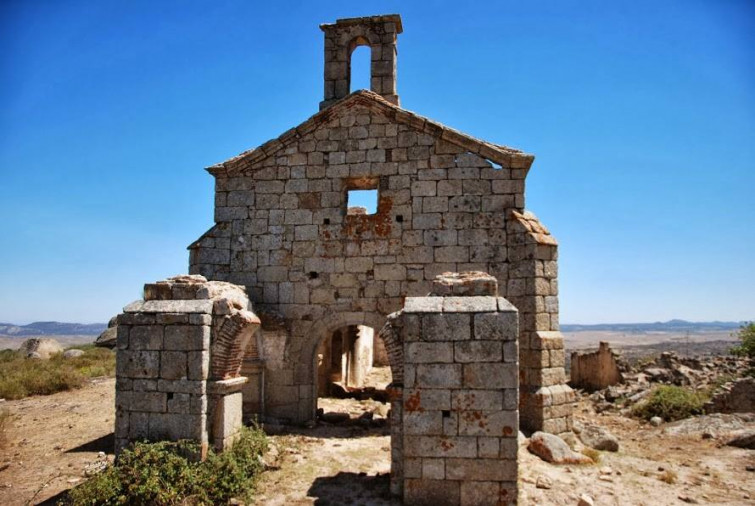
(599, 438)
(166, 347)
(596, 370)
(553, 449)
(42, 347)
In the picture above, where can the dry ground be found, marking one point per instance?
(55, 439)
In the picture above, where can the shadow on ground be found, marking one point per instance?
(105, 444)
(322, 430)
(353, 489)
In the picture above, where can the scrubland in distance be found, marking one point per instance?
(21, 377)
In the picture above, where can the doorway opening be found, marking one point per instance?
(352, 375)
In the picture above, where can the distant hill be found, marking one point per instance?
(52, 329)
(669, 326)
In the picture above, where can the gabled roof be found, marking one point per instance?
(505, 156)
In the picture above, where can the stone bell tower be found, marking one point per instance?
(345, 35)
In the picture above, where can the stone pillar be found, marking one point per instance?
(179, 353)
(545, 399)
(460, 410)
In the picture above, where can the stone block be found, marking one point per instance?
(440, 446)
(227, 420)
(169, 426)
(488, 423)
(138, 364)
(423, 492)
(424, 352)
(173, 365)
(433, 469)
(146, 337)
(187, 337)
(488, 447)
(423, 305)
(496, 326)
(480, 493)
(472, 304)
(151, 402)
(438, 376)
(466, 400)
(478, 351)
(471, 469)
(490, 375)
(179, 403)
(182, 386)
(446, 327)
(426, 423)
(427, 399)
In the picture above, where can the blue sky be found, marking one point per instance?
(641, 116)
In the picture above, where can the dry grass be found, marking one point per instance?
(4, 425)
(668, 476)
(21, 377)
(592, 453)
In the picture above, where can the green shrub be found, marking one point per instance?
(671, 403)
(168, 473)
(746, 334)
(21, 377)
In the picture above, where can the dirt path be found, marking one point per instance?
(55, 439)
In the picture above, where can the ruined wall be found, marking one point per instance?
(595, 370)
(283, 232)
(178, 360)
(459, 414)
(545, 401)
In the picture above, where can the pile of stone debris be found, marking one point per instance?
(698, 373)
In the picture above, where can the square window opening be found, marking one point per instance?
(362, 201)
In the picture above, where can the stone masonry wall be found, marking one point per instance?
(459, 420)
(545, 400)
(282, 229)
(178, 360)
(595, 370)
(446, 202)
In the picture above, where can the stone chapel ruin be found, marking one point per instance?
(300, 289)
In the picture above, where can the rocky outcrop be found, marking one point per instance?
(734, 397)
(108, 338)
(40, 347)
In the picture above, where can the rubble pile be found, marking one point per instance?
(698, 373)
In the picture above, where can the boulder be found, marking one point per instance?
(743, 439)
(40, 347)
(598, 438)
(72, 353)
(109, 337)
(553, 449)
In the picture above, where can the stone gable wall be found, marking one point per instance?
(282, 230)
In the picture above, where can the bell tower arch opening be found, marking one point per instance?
(380, 33)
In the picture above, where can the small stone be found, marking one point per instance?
(544, 482)
(585, 500)
(656, 421)
(72, 353)
(687, 499)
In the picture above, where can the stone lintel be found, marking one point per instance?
(228, 386)
(423, 305)
(203, 306)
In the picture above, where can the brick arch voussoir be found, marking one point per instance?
(331, 323)
(231, 338)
